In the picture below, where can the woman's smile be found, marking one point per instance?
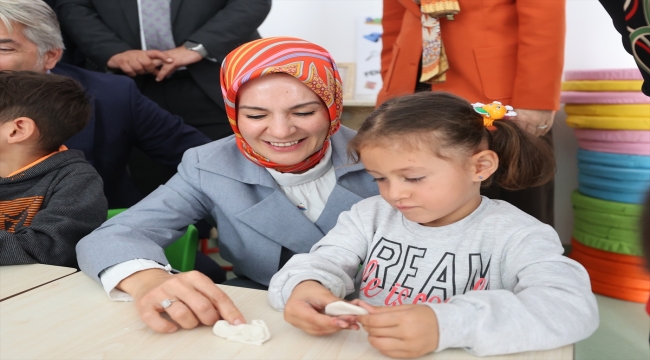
(285, 129)
(283, 144)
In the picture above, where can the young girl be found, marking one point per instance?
(466, 271)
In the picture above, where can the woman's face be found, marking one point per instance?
(281, 118)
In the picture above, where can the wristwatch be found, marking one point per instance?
(199, 48)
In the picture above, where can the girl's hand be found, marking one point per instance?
(304, 310)
(405, 331)
(196, 300)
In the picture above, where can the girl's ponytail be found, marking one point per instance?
(525, 160)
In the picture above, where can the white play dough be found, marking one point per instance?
(254, 333)
(343, 308)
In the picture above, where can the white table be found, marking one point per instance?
(622, 334)
(15, 279)
(73, 319)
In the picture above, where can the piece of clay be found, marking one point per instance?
(343, 308)
(254, 333)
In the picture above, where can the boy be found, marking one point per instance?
(50, 197)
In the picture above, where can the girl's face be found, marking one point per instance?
(281, 118)
(425, 188)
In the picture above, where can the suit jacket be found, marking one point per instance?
(123, 118)
(254, 216)
(506, 50)
(103, 28)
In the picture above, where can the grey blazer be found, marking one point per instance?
(254, 216)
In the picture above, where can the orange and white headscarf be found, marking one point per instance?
(299, 58)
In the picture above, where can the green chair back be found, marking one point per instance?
(182, 253)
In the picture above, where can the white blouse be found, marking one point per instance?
(310, 190)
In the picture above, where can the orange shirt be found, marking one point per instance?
(61, 148)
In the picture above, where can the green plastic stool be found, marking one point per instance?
(182, 253)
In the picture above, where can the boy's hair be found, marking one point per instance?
(58, 105)
(412, 120)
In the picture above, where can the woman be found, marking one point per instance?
(274, 189)
(494, 50)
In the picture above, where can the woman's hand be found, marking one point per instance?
(196, 299)
(405, 331)
(304, 310)
(536, 122)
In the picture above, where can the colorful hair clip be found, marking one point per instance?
(493, 111)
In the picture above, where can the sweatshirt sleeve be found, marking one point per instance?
(546, 302)
(75, 207)
(333, 261)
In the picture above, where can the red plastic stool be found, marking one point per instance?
(205, 249)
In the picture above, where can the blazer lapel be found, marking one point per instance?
(228, 161)
(279, 220)
(130, 9)
(340, 200)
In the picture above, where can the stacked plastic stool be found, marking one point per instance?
(611, 120)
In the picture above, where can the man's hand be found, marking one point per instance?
(196, 300)
(405, 331)
(305, 306)
(138, 62)
(536, 122)
(180, 56)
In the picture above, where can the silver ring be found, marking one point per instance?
(166, 303)
(543, 126)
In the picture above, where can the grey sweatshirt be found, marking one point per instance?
(46, 209)
(497, 279)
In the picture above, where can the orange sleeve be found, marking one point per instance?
(392, 23)
(540, 57)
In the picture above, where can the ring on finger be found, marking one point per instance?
(543, 126)
(167, 303)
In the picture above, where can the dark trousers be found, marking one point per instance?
(245, 283)
(536, 201)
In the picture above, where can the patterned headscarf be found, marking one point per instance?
(299, 58)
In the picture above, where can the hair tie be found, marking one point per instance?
(492, 112)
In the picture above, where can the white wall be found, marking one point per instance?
(591, 43)
(328, 23)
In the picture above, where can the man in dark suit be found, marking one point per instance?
(122, 118)
(173, 48)
(71, 55)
